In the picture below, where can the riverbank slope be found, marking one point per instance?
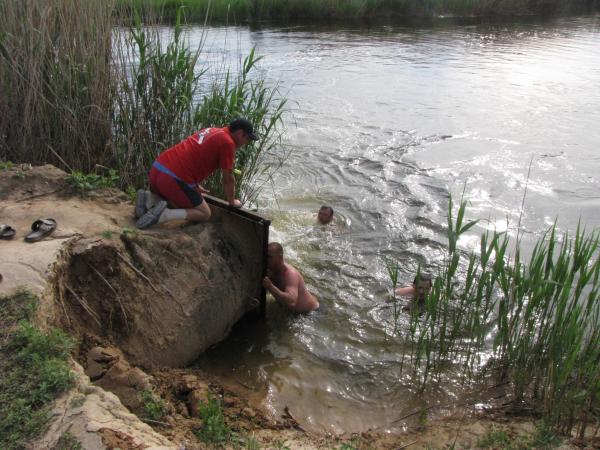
(140, 306)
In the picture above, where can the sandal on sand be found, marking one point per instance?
(6, 231)
(140, 203)
(40, 229)
(151, 217)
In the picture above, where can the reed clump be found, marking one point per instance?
(55, 82)
(539, 320)
(86, 85)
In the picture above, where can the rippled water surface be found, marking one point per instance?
(386, 122)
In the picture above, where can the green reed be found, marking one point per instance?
(155, 84)
(245, 96)
(55, 82)
(241, 11)
(540, 320)
(85, 84)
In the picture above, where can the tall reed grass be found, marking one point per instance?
(539, 319)
(55, 87)
(87, 85)
(243, 96)
(242, 11)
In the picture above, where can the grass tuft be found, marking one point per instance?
(152, 407)
(34, 370)
(67, 442)
(214, 429)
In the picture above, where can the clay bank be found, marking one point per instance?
(155, 299)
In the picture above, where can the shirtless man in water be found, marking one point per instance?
(286, 284)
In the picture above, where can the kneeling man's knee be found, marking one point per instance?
(206, 212)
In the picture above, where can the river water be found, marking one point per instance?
(385, 123)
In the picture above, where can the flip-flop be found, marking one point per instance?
(40, 229)
(6, 231)
(151, 217)
(140, 203)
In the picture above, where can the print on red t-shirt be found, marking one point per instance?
(197, 157)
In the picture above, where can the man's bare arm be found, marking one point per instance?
(289, 297)
(405, 291)
(229, 188)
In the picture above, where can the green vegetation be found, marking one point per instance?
(346, 446)
(68, 442)
(243, 96)
(83, 182)
(153, 407)
(543, 438)
(494, 439)
(250, 443)
(107, 234)
(214, 429)
(6, 165)
(34, 370)
(241, 11)
(81, 92)
(540, 319)
(280, 445)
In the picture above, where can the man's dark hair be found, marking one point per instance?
(245, 125)
(329, 208)
(423, 277)
(276, 248)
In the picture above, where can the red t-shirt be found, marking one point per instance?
(197, 157)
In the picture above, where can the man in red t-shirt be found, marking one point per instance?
(177, 173)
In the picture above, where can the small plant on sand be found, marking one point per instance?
(495, 438)
(214, 429)
(280, 445)
(153, 407)
(67, 442)
(83, 182)
(34, 370)
(250, 443)
(346, 446)
(131, 193)
(129, 232)
(6, 165)
(544, 437)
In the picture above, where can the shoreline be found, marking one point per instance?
(303, 13)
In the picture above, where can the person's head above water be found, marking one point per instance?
(274, 256)
(422, 284)
(325, 215)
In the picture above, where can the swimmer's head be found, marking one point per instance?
(274, 255)
(422, 284)
(325, 215)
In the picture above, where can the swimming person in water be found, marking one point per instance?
(286, 284)
(418, 290)
(325, 215)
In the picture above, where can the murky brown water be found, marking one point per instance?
(386, 123)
